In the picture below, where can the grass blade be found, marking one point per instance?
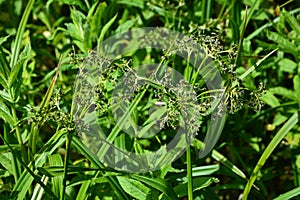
(29, 171)
(49, 92)
(90, 156)
(25, 181)
(66, 164)
(292, 21)
(270, 148)
(105, 29)
(21, 29)
(276, 20)
(288, 195)
(222, 159)
(55, 160)
(158, 184)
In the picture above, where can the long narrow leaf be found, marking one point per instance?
(158, 184)
(25, 181)
(5, 114)
(288, 195)
(105, 29)
(292, 21)
(261, 28)
(17, 68)
(32, 173)
(21, 29)
(56, 160)
(222, 159)
(270, 148)
(91, 156)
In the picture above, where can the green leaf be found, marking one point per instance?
(25, 181)
(83, 191)
(91, 156)
(205, 170)
(283, 42)
(46, 98)
(4, 67)
(5, 160)
(126, 25)
(290, 94)
(292, 21)
(260, 29)
(105, 29)
(133, 187)
(5, 114)
(198, 184)
(270, 99)
(288, 195)
(293, 139)
(279, 119)
(213, 133)
(252, 68)
(74, 32)
(17, 44)
(69, 2)
(158, 184)
(287, 65)
(3, 39)
(222, 159)
(96, 19)
(17, 69)
(5, 97)
(136, 3)
(268, 151)
(3, 81)
(45, 19)
(296, 81)
(55, 170)
(57, 182)
(78, 19)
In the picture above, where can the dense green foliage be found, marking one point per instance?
(255, 45)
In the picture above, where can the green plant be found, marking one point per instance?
(46, 48)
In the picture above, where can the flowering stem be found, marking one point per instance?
(189, 173)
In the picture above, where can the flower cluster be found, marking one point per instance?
(239, 97)
(52, 112)
(177, 95)
(236, 96)
(255, 101)
(112, 82)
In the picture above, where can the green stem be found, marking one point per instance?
(19, 136)
(206, 8)
(68, 144)
(16, 164)
(189, 173)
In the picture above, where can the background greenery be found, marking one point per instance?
(258, 154)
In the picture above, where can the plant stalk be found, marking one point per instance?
(189, 173)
